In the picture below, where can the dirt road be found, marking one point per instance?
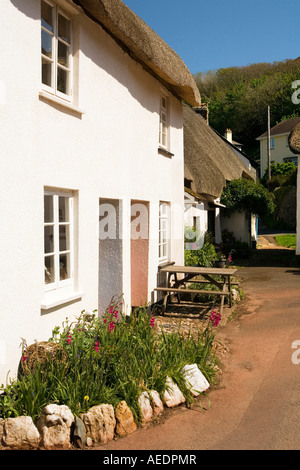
(257, 404)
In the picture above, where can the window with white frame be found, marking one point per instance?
(164, 232)
(56, 50)
(58, 239)
(164, 122)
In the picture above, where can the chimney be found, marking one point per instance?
(203, 111)
(228, 135)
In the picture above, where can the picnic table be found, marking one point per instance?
(219, 277)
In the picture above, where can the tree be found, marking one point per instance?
(243, 194)
(238, 98)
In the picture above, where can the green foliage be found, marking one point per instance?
(287, 240)
(243, 194)
(284, 169)
(195, 256)
(204, 256)
(107, 359)
(283, 180)
(238, 98)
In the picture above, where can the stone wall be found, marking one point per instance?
(58, 429)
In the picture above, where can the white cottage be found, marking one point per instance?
(91, 159)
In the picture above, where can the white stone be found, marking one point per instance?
(235, 295)
(145, 407)
(172, 395)
(156, 402)
(54, 426)
(195, 380)
(20, 433)
(100, 423)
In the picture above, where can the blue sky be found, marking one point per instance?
(213, 34)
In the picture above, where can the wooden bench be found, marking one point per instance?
(174, 290)
(219, 277)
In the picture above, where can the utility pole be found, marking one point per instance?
(269, 144)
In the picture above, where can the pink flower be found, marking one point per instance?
(111, 309)
(215, 318)
(96, 347)
(69, 338)
(24, 358)
(111, 326)
(152, 321)
(213, 315)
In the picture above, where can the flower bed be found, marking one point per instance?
(107, 359)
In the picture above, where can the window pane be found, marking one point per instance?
(63, 208)
(64, 238)
(64, 267)
(49, 239)
(63, 81)
(64, 28)
(49, 270)
(47, 16)
(46, 44)
(46, 72)
(63, 54)
(163, 208)
(48, 209)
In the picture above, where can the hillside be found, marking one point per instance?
(238, 98)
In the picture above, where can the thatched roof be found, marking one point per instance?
(144, 46)
(294, 139)
(209, 162)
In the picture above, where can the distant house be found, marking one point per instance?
(228, 137)
(210, 162)
(279, 145)
(251, 164)
(294, 144)
(92, 163)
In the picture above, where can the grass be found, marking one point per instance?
(287, 240)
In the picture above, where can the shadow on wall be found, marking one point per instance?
(29, 8)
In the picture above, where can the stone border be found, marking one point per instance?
(58, 429)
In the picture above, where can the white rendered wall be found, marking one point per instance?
(109, 152)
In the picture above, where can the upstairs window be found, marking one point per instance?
(56, 50)
(164, 123)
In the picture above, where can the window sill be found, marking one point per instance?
(64, 104)
(165, 152)
(55, 300)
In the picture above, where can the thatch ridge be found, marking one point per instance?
(144, 46)
(209, 161)
(294, 139)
